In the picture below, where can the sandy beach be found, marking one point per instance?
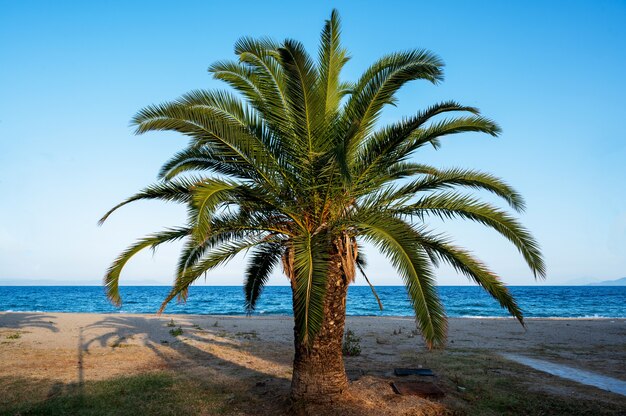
(248, 359)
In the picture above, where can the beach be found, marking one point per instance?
(246, 361)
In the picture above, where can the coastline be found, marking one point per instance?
(278, 315)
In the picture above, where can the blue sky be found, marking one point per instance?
(73, 74)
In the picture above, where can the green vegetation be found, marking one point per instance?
(16, 335)
(176, 332)
(297, 170)
(351, 344)
(147, 394)
(493, 387)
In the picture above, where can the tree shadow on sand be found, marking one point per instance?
(25, 320)
(186, 366)
(254, 372)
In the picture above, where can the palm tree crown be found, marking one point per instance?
(296, 168)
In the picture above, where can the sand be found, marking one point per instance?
(72, 347)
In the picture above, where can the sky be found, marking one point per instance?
(72, 74)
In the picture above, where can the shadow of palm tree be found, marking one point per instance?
(235, 364)
(22, 320)
(245, 374)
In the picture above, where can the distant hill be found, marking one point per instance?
(616, 282)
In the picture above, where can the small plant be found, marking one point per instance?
(17, 335)
(351, 344)
(247, 335)
(171, 323)
(176, 332)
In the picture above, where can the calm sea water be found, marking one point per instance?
(460, 301)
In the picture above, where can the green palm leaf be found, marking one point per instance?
(462, 261)
(332, 58)
(453, 205)
(112, 277)
(311, 257)
(175, 191)
(211, 260)
(395, 239)
(262, 262)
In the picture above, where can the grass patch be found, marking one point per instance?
(483, 384)
(351, 344)
(145, 394)
(176, 332)
(17, 335)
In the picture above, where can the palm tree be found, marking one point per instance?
(299, 173)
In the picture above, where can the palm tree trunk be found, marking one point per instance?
(318, 371)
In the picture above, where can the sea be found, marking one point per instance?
(459, 301)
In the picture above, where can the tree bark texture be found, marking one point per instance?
(318, 370)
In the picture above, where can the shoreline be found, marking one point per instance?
(261, 315)
(499, 333)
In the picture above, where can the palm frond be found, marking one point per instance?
(450, 178)
(394, 143)
(332, 58)
(262, 262)
(394, 238)
(456, 125)
(453, 205)
(361, 264)
(174, 191)
(262, 57)
(311, 257)
(304, 104)
(241, 78)
(220, 255)
(207, 198)
(112, 277)
(379, 84)
(200, 159)
(212, 126)
(463, 262)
